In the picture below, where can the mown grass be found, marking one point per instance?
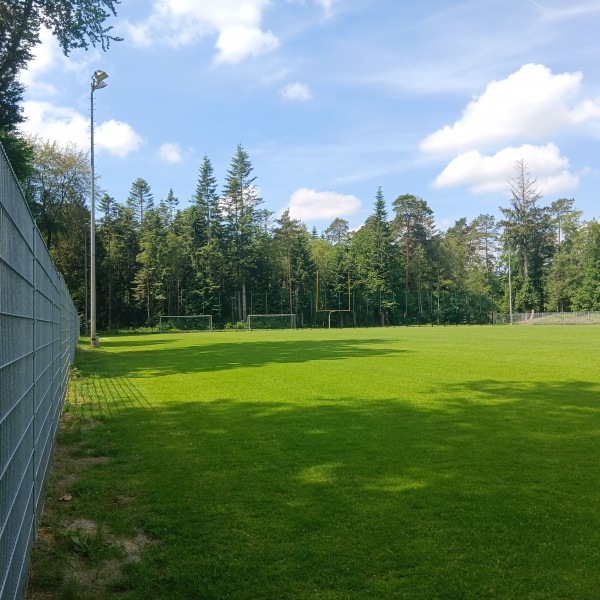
(419, 463)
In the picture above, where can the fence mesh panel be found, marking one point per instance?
(586, 317)
(39, 327)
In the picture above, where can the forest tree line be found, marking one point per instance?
(226, 255)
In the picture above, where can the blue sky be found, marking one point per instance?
(333, 98)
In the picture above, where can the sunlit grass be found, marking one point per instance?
(398, 463)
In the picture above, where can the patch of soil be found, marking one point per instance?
(133, 547)
(75, 557)
(84, 525)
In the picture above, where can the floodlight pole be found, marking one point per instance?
(510, 301)
(97, 83)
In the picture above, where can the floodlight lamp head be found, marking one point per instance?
(98, 80)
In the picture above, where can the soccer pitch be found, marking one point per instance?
(420, 463)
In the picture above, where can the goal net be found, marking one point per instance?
(279, 321)
(168, 323)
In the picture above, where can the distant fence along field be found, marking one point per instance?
(188, 323)
(550, 318)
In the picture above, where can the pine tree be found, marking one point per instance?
(337, 232)
(243, 223)
(486, 231)
(153, 268)
(528, 232)
(107, 238)
(290, 243)
(413, 227)
(140, 200)
(118, 239)
(565, 218)
(372, 257)
(170, 207)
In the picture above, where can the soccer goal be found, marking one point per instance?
(275, 321)
(186, 323)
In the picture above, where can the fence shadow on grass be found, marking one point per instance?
(492, 494)
(125, 342)
(102, 397)
(162, 360)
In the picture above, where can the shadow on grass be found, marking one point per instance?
(103, 397)
(123, 342)
(495, 494)
(223, 355)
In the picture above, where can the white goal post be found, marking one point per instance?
(185, 323)
(272, 321)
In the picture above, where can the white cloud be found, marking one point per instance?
(240, 41)
(530, 103)
(63, 125)
(485, 174)
(237, 24)
(296, 92)
(311, 205)
(66, 125)
(170, 153)
(118, 138)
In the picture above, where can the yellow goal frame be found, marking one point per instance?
(329, 310)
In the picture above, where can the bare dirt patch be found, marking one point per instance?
(133, 547)
(74, 556)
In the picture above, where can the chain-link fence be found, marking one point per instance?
(39, 328)
(586, 317)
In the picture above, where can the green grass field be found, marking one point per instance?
(416, 463)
